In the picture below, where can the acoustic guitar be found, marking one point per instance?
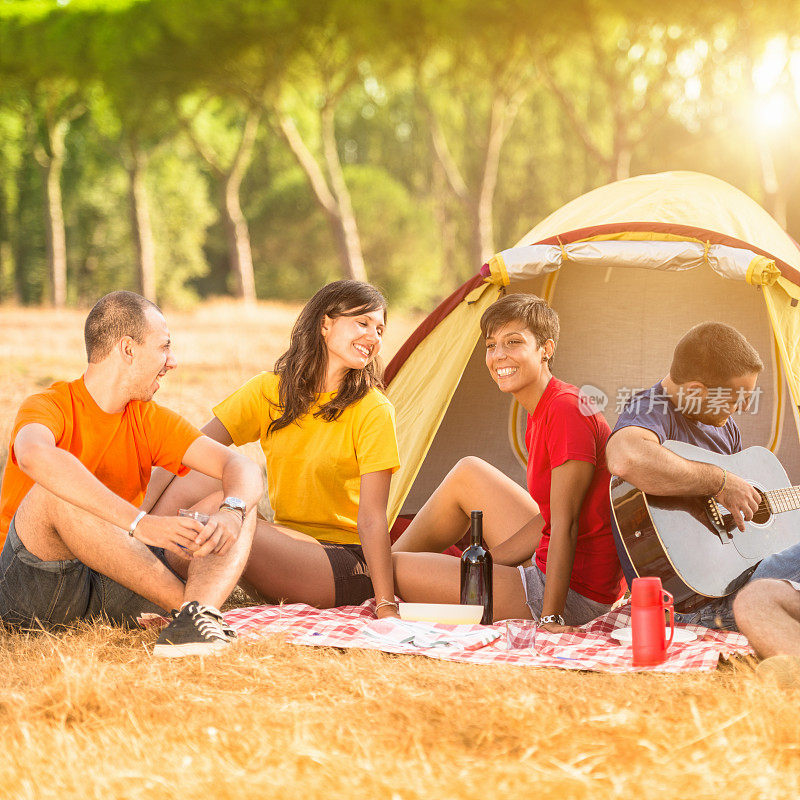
(692, 543)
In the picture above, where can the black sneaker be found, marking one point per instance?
(195, 630)
(229, 632)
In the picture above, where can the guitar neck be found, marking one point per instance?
(780, 500)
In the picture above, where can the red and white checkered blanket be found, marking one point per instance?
(592, 648)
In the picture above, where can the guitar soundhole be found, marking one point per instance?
(762, 515)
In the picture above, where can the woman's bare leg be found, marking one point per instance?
(288, 565)
(187, 492)
(436, 578)
(472, 484)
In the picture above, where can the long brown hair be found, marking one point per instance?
(302, 367)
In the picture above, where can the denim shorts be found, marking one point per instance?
(578, 610)
(718, 613)
(36, 594)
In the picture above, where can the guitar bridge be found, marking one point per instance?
(719, 522)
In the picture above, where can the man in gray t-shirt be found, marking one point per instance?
(713, 373)
(655, 410)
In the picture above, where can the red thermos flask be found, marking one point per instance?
(648, 603)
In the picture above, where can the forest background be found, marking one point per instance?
(259, 148)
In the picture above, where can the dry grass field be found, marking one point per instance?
(91, 715)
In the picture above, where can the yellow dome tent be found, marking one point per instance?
(629, 267)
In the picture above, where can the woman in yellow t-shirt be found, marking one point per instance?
(328, 435)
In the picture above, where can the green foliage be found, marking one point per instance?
(12, 137)
(591, 86)
(181, 212)
(295, 250)
(97, 213)
(28, 242)
(95, 188)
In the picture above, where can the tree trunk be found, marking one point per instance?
(478, 200)
(6, 258)
(621, 159)
(53, 165)
(622, 165)
(347, 218)
(141, 227)
(20, 244)
(237, 234)
(322, 192)
(498, 128)
(446, 225)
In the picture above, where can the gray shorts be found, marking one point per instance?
(52, 594)
(578, 610)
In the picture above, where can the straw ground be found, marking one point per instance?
(91, 714)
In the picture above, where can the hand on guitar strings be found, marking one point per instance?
(740, 498)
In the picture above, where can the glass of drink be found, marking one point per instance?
(198, 515)
(520, 634)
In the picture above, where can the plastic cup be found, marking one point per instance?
(520, 634)
(198, 515)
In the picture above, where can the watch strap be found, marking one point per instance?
(234, 504)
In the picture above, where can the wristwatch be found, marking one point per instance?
(235, 504)
(557, 618)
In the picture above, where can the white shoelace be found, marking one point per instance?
(208, 623)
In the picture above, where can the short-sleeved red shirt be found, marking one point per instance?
(559, 431)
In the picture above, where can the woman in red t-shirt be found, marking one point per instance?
(560, 528)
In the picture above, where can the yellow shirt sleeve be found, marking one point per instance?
(376, 443)
(247, 411)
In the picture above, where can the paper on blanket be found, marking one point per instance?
(415, 635)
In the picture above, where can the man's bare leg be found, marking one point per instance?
(768, 613)
(54, 530)
(212, 578)
(471, 484)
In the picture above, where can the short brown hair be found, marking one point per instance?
(534, 312)
(116, 315)
(713, 354)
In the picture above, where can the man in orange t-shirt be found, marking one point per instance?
(77, 546)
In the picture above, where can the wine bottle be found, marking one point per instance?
(476, 570)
